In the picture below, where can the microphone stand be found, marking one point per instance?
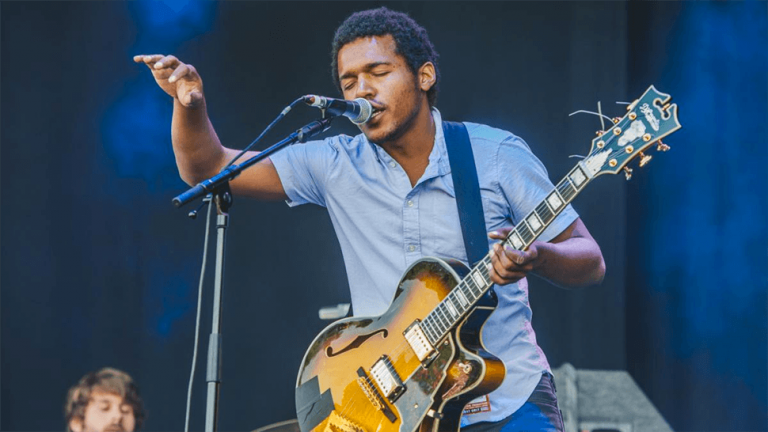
(218, 186)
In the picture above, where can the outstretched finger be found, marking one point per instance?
(167, 62)
(149, 59)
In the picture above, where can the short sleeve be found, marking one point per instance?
(524, 182)
(303, 170)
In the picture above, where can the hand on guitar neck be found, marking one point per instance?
(571, 260)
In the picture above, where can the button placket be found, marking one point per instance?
(411, 227)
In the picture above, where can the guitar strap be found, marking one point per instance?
(467, 189)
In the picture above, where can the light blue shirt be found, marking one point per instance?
(384, 225)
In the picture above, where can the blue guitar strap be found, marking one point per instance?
(467, 188)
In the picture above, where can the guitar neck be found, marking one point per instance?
(466, 293)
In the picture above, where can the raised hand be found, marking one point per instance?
(179, 80)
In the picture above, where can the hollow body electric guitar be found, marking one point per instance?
(416, 366)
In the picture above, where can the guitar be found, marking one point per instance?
(417, 365)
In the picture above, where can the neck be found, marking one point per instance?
(411, 149)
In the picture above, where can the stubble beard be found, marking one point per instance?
(398, 130)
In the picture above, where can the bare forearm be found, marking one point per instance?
(199, 153)
(573, 263)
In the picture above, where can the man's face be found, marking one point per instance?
(369, 68)
(106, 412)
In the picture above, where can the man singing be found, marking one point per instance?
(390, 196)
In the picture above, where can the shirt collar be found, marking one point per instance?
(438, 158)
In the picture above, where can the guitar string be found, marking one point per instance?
(483, 270)
(400, 349)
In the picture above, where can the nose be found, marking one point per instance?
(116, 415)
(364, 88)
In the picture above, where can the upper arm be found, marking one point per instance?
(577, 229)
(259, 181)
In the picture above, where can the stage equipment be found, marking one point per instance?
(218, 187)
(606, 401)
(417, 365)
(358, 111)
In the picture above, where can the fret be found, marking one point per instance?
(571, 191)
(453, 296)
(443, 319)
(544, 212)
(515, 240)
(549, 205)
(479, 279)
(435, 320)
(476, 291)
(462, 298)
(555, 201)
(467, 291)
(444, 308)
(429, 329)
(452, 309)
(483, 271)
(566, 189)
(524, 231)
(577, 177)
(534, 222)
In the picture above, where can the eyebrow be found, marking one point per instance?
(366, 68)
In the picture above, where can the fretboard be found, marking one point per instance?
(466, 293)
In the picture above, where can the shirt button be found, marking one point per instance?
(411, 248)
(410, 203)
(392, 164)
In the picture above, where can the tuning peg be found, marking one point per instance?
(662, 147)
(616, 120)
(599, 133)
(628, 173)
(644, 159)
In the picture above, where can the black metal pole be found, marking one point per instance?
(223, 199)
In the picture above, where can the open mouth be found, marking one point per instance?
(376, 112)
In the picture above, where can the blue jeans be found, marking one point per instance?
(538, 413)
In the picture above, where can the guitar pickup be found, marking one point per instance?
(386, 378)
(373, 395)
(419, 343)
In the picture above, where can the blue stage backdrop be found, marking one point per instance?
(98, 268)
(698, 277)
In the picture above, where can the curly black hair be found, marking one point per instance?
(411, 40)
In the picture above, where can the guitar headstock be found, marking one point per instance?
(649, 119)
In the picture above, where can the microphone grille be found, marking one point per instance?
(366, 111)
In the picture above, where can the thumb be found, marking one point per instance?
(191, 98)
(500, 234)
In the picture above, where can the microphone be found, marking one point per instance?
(358, 111)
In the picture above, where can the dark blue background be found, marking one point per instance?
(98, 268)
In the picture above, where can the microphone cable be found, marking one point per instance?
(208, 198)
(280, 116)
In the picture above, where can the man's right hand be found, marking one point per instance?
(178, 79)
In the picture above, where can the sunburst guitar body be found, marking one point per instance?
(365, 374)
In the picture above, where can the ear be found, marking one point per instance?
(76, 424)
(426, 76)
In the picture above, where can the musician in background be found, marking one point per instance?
(104, 401)
(390, 196)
